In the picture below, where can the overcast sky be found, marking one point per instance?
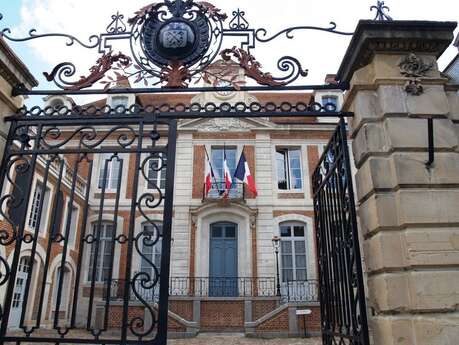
(320, 52)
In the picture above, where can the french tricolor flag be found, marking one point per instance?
(227, 175)
(209, 176)
(243, 174)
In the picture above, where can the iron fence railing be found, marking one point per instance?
(291, 291)
(300, 291)
(217, 191)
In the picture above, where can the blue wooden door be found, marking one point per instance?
(223, 280)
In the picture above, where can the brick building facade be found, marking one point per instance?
(223, 265)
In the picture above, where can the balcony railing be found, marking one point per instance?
(292, 291)
(300, 291)
(217, 191)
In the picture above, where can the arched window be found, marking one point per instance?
(65, 291)
(101, 267)
(293, 251)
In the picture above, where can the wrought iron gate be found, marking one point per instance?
(342, 297)
(68, 177)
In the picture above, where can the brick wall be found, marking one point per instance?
(278, 323)
(222, 315)
(312, 320)
(184, 309)
(198, 171)
(261, 308)
(115, 319)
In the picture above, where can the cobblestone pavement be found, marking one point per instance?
(224, 339)
(239, 339)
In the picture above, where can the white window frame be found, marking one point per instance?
(159, 176)
(47, 210)
(102, 247)
(100, 171)
(65, 297)
(156, 248)
(289, 182)
(219, 178)
(64, 221)
(292, 239)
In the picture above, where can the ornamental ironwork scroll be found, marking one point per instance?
(341, 289)
(171, 44)
(83, 208)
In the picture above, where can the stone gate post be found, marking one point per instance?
(408, 210)
(12, 72)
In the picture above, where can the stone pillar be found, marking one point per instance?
(409, 211)
(12, 73)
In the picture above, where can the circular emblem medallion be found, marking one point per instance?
(175, 39)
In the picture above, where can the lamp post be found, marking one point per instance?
(276, 244)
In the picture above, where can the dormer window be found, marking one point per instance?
(330, 103)
(119, 103)
(57, 104)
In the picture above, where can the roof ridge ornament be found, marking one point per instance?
(381, 15)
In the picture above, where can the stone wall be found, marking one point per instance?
(408, 210)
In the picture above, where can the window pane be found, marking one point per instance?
(295, 168)
(286, 247)
(295, 162)
(282, 182)
(287, 261)
(301, 274)
(300, 247)
(217, 157)
(285, 231)
(287, 275)
(230, 232)
(298, 231)
(216, 231)
(300, 261)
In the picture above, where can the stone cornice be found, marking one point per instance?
(394, 37)
(13, 69)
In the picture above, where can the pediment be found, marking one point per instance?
(231, 124)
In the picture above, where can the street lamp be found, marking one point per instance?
(276, 245)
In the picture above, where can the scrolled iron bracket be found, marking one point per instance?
(172, 43)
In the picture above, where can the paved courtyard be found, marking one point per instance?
(239, 339)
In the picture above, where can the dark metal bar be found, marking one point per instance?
(96, 238)
(130, 237)
(106, 119)
(35, 240)
(430, 136)
(113, 242)
(17, 246)
(49, 245)
(82, 242)
(66, 243)
(20, 91)
(363, 322)
(342, 297)
(167, 230)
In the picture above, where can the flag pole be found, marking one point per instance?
(212, 170)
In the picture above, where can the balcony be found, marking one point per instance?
(291, 291)
(236, 193)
